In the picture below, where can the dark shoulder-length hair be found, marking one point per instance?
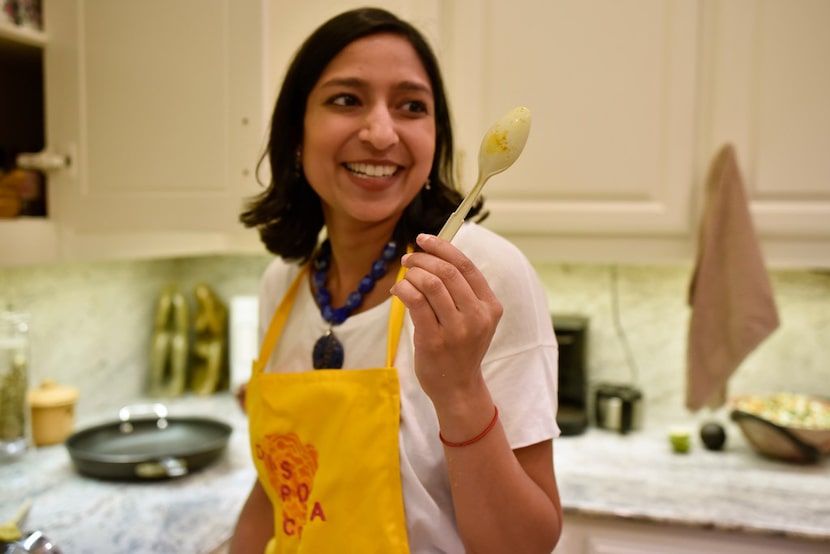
(288, 213)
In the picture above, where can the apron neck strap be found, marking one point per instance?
(272, 335)
(396, 314)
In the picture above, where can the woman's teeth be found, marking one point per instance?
(372, 170)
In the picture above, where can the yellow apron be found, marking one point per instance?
(325, 446)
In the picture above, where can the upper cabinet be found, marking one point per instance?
(160, 105)
(158, 110)
(768, 93)
(611, 90)
(630, 102)
(161, 110)
(30, 238)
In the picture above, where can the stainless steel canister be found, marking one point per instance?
(618, 407)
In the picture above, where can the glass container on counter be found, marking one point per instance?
(14, 378)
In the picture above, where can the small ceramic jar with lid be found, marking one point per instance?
(53, 412)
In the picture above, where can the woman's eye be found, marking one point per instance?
(415, 106)
(344, 100)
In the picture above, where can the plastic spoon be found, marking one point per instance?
(500, 147)
(10, 530)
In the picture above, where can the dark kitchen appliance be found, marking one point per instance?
(572, 336)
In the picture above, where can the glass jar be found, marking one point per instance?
(14, 378)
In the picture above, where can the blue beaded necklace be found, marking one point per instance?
(328, 350)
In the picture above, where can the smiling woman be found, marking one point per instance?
(448, 358)
(370, 132)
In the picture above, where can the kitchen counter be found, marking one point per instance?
(637, 477)
(192, 514)
(600, 473)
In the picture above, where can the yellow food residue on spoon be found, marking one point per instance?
(497, 142)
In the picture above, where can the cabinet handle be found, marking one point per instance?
(43, 161)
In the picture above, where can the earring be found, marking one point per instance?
(298, 163)
(428, 184)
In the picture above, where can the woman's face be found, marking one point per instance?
(369, 131)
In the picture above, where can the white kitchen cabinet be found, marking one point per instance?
(768, 92)
(162, 108)
(630, 103)
(159, 106)
(612, 91)
(162, 104)
(584, 534)
(26, 239)
(289, 23)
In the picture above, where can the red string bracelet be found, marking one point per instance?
(477, 437)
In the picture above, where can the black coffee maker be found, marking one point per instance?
(572, 336)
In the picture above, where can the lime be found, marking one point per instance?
(679, 439)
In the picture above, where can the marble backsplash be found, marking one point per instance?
(92, 322)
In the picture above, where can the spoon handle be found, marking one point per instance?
(22, 512)
(455, 220)
(452, 225)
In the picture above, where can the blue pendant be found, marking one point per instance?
(328, 352)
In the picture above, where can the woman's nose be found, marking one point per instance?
(379, 129)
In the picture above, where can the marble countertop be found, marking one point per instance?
(638, 477)
(600, 473)
(194, 514)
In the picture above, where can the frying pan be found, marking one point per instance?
(146, 448)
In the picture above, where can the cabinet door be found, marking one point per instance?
(769, 94)
(612, 89)
(290, 23)
(159, 104)
(23, 240)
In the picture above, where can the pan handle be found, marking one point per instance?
(127, 412)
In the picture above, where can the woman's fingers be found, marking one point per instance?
(443, 279)
(455, 314)
(457, 273)
(436, 293)
(423, 316)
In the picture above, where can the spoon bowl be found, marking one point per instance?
(500, 148)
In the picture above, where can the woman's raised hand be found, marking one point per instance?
(455, 314)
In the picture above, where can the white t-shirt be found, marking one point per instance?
(520, 369)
